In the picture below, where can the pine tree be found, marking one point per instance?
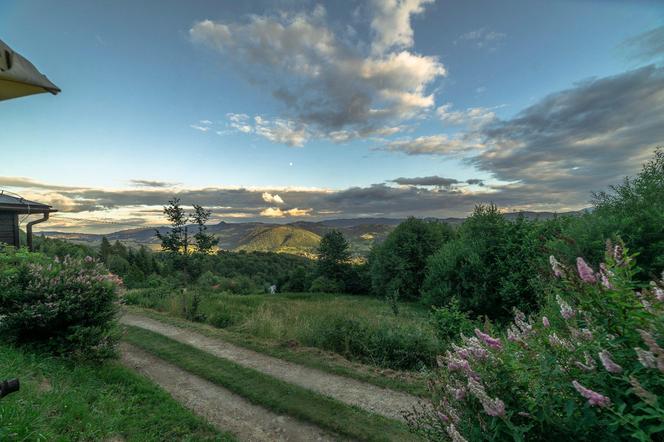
(333, 256)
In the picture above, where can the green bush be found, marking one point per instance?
(450, 321)
(493, 266)
(323, 284)
(66, 306)
(399, 347)
(588, 366)
(399, 262)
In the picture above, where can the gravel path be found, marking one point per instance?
(222, 408)
(372, 398)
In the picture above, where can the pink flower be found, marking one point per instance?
(618, 254)
(454, 435)
(556, 267)
(488, 340)
(604, 274)
(492, 407)
(565, 310)
(659, 293)
(585, 272)
(646, 358)
(608, 363)
(545, 322)
(594, 398)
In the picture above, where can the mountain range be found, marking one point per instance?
(300, 237)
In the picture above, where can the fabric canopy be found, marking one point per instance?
(19, 77)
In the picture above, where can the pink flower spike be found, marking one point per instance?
(488, 340)
(608, 363)
(594, 398)
(545, 322)
(585, 272)
(556, 267)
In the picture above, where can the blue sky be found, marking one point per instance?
(332, 104)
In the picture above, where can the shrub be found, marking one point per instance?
(323, 284)
(399, 347)
(398, 264)
(66, 306)
(587, 367)
(493, 266)
(450, 321)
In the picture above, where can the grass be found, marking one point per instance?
(360, 328)
(271, 393)
(63, 401)
(413, 382)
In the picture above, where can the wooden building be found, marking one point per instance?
(11, 208)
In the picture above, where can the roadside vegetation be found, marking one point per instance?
(525, 329)
(73, 400)
(272, 393)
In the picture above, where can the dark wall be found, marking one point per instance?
(9, 228)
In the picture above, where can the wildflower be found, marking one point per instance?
(454, 435)
(604, 274)
(555, 341)
(618, 254)
(492, 407)
(556, 267)
(545, 322)
(593, 397)
(654, 348)
(608, 362)
(658, 292)
(488, 340)
(589, 364)
(442, 417)
(458, 393)
(565, 310)
(586, 273)
(646, 358)
(641, 392)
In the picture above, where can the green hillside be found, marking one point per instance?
(281, 239)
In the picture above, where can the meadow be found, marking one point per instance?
(511, 329)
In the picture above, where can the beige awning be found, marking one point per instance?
(19, 77)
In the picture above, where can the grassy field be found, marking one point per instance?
(63, 401)
(272, 393)
(360, 328)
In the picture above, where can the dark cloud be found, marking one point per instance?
(475, 181)
(581, 139)
(438, 181)
(22, 182)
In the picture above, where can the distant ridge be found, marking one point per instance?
(299, 237)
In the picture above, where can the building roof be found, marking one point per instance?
(21, 205)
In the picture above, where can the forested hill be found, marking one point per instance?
(300, 237)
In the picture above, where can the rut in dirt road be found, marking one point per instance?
(222, 408)
(372, 398)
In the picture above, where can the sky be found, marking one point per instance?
(293, 110)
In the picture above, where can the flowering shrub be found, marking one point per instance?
(589, 366)
(66, 306)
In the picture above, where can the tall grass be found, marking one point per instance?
(359, 328)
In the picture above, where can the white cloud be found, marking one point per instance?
(482, 38)
(474, 117)
(201, 128)
(275, 212)
(270, 198)
(391, 23)
(331, 88)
